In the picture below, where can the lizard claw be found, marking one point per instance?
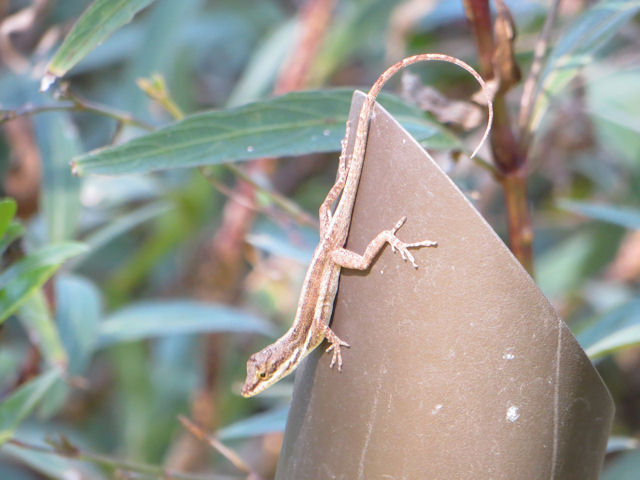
(403, 248)
(336, 343)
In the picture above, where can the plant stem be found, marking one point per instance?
(519, 217)
(507, 157)
(114, 463)
(292, 208)
(124, 118)
(76, 104)
(228, 453)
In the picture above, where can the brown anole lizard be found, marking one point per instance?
(315, 305)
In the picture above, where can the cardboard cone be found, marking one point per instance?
(460, 369)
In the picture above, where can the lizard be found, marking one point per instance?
(315, 305)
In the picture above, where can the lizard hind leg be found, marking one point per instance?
(348, 259)
(335, 344)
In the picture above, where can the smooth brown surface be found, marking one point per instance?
(458, 370)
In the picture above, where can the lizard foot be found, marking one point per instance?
(336, 343)
(403, 248)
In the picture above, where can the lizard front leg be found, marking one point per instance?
(341, 178)
(348, 259)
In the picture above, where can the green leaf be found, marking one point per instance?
(560, 269)
(122, 224)
(10, 360)
(60, 194)
(21, 402)
(98, 22)
(618, 443)
(260, 424)
(577, 47)
(623, 467)
(263, 66)
(14, 231)
(7, 211)
(78, 309)
(161, 28)
(357, 27)
(176, 317)
(30, 273)
(613, 331)
(36, 319)
(613, 102)
(567, 263)
(50, 466)
(623, 216)
(293, 124)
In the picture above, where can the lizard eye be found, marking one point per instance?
(262, 374)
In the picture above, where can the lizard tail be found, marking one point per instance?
(426, 57)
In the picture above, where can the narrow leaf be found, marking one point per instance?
(624, 466)
(176, 317)
(12, 233)
(293, 124)
(60, 195)
(30, 273)
(263, 66)
(11, 357)
(37, 320)
(618, 340)
(624, 216)
(260, 424)
(77, 316)
(122, 224)
(7, 211)
(577, 47)
(98, 22)
(54, 467)
(618, 443)
(21, 402)
(613, 331)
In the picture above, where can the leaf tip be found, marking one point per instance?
(75, 168)
(48, 79)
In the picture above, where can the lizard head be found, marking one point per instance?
(266, 367)
(260, 372)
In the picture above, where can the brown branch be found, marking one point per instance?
(315, 16)
(216, 444)
(479, 16)
(496, 61)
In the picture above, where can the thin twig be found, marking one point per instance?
(85, 105)
(27, 110)
(297, 213)
(530, 89)
(292, 211)
(76, 104)
(110, 462)
(226, 452)
(488, 166)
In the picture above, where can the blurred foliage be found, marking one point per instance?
(104, 295)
